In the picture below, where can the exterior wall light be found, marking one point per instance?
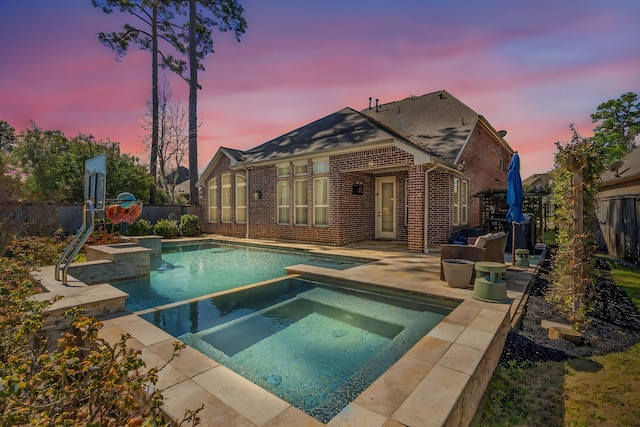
(257, 195)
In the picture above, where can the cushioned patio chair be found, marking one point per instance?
(489, 247)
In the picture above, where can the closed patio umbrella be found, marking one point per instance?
(514, 191)
(514, 199)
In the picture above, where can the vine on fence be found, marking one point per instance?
(579, 165)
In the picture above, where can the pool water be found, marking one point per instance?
(316, 346)
(183, 272)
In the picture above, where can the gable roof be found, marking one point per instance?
(432, 127)
(233, 155)
(343, 129)
(437, 121)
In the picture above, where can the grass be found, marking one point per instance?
(519, 396)
(603, 390)
(549, 237)
(628, 279)
(593, 391)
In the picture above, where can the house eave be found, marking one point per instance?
(390, 142)
(487, 126)
(420, 157)
(605, 185)
(212, 164)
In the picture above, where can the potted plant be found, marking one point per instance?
(458, 272)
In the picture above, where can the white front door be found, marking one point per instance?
(386, 208)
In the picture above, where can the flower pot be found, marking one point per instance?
(458, 272)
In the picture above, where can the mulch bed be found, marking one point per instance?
(612, 325)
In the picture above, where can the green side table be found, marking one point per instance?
(489, 285)
(522, 257)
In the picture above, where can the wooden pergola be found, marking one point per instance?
(493, 208)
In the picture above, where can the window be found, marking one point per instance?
(226, 197)
(283, 202)
(284, 169)
(459, 202)
(321, 201)
(213, 200)
(241, 199)
(320, 166)
(300, 169)
(300, 201)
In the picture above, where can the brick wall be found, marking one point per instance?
(353, 216)
(415, 228)
(485, 168)
(440, 204)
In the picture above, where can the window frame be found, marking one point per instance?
(241, 199)
(283, 188)
(317, 206)
(283, 170)
(460, 202)
(304, 168)
(320, 162)
(301, 204)
(225, 202)
(213, 201)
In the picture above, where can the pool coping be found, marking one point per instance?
(438, 382)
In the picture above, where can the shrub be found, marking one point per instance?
(140, 227)
(166, 228)
(36, 251)
(189, 225)
(80, 379)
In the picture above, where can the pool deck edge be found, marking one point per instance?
(438, 382)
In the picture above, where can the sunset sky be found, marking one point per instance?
(531, 68)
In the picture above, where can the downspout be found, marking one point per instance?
(426, 208)
(246, 236)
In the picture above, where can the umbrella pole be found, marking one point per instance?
(513, 243)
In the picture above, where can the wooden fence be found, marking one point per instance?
(619, 230)
(44, 219)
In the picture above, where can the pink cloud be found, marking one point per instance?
(531, 72)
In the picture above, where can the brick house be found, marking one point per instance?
(401, 171)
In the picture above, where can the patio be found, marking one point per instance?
(438, 382)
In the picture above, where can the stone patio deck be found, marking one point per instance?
(439, 382)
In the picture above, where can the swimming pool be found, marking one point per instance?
(189, 271)
(315, 345)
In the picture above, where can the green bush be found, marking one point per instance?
(166, 228)
(189, 225)
(140, 227)
(80, 379)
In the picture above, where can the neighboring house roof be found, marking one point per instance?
(181, 174)
(183, 189)
(534, 180)
(623, 171)
(433, 127)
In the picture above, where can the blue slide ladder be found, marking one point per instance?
(74, 247)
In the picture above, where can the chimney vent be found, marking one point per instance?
(377, 104)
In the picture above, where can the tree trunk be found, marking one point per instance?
(153, 158)
(193, 101)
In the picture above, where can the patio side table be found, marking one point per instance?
(489, 285)
(522, 257)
